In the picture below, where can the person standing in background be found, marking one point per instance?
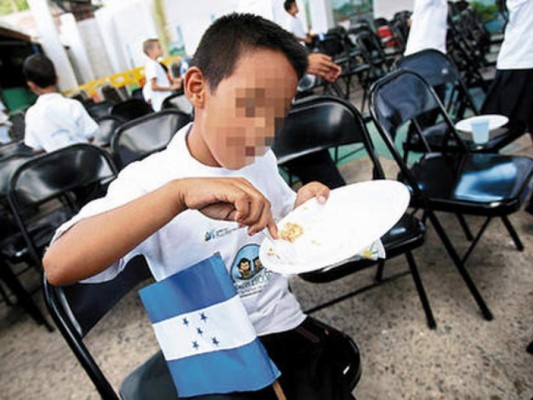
(158, 84)
(294, 24)
(428, 26)
(511, 93)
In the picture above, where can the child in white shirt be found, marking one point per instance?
(158, 83)
(54, 121)
(214, 189)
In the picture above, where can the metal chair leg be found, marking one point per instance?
(464, 225)
(421, 291)
(460, 267)
(476, 239)
(380, 269)
(23, 297)
(4, 295)
(518, 243)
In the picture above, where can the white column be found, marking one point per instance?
(49, 39)
(71, 33)
(112, 46)
(321, 15)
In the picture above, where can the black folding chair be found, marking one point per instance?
(442, 74)
(317, 123)
(139, 138)
(463, 183)
(99, 110)
(178, 102)
(77, 309)
(50, 189)
(106, 128)
(13, 248)
(131, 109)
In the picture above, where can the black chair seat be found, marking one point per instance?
(14, 247)
(435, 135)
(476, 184)
(151, 380)
(407, 234)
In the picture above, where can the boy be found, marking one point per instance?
(294, 25)
(241, 81)
(158, 85)
(54, 121)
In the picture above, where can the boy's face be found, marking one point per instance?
(156, 50)
(242, 115)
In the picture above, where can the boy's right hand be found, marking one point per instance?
(228, 199)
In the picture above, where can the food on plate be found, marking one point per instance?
(291, 232)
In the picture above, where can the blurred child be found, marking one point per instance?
(53, 121)
(159, 85)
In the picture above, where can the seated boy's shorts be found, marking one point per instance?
(312, 359)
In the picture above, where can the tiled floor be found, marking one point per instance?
(466, 357)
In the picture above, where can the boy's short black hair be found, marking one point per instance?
(231, 35)
(288, 4)
(40, 70)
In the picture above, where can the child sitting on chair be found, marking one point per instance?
(214, 189)
(54, 121)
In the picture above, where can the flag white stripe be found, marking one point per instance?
(210, 329)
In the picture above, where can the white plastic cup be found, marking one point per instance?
(480, 131)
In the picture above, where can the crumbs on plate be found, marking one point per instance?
(291, 232)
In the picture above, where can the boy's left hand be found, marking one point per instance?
(313, 189)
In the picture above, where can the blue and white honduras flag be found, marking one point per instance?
(204, 332)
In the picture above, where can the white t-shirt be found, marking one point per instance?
(517, 47)
(152, 70)
(54, 122)
(191, 236)
(4, 124)
(428, 26)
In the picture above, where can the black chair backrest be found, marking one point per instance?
(435, 67)
(8, 166)
(98, 110)
(332, 45)
(439, 70)
(178, 102)
(106, 128)
(137, 139)
(78, 308)
(320, 122)
(111, 94)
(131, 109)
(400, 97)
(70, 176)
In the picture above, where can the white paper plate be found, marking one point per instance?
(495, 121)
(353, 218)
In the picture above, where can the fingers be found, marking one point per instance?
(259, 213)
(313, 189)
(323, 66)
(232, 199)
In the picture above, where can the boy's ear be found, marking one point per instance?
(195, 86)
(33, 87)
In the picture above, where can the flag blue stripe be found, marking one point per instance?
(179, 294)
(243, 369)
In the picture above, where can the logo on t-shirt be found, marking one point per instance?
(218, 233)
(248, 274)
